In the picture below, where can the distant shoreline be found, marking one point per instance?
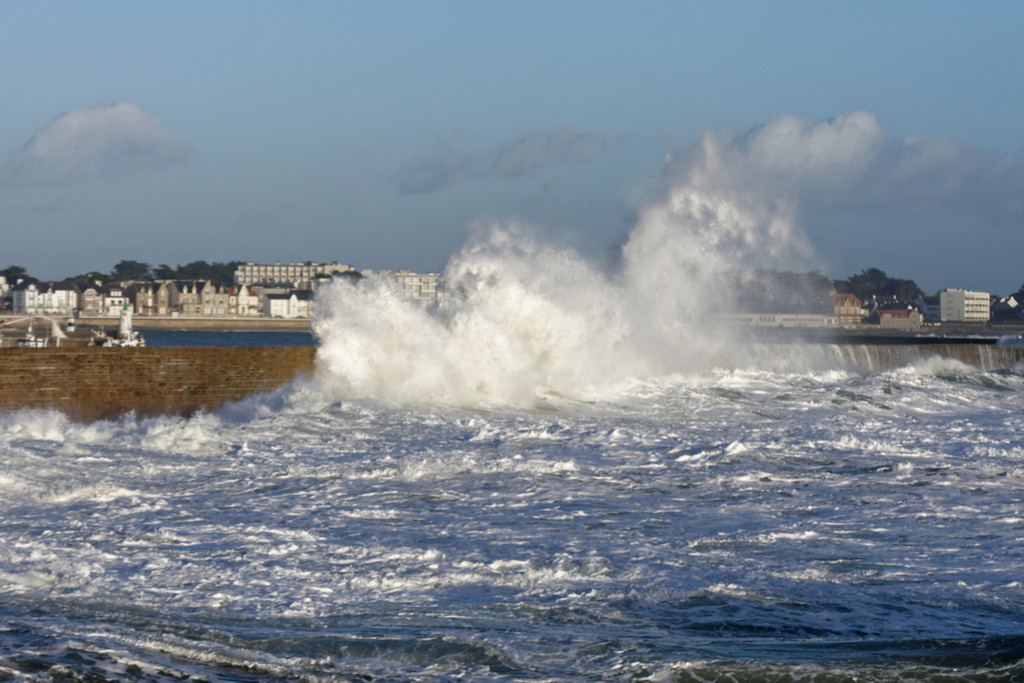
(152, 322)
(935, 333)
(964, 332)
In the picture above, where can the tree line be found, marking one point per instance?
(138, 271)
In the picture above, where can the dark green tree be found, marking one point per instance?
(132, 270)
(224, 272)
(350, 275)
(874, 282)
(199, 270)
(15, 273)
(90, 278)
(163, 272)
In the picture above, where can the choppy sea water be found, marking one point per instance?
(731, 524)
(227, 338)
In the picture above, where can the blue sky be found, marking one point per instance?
(375, 133)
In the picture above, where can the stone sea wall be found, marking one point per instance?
(103, 383)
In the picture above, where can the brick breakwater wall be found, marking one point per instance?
(104, 383)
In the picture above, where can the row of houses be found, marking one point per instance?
(286, 291)
(200, 298)
(949, 305)
(272, 291)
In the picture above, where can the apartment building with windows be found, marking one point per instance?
(415, 286)
(52, 298)
(299, 275)
(963, 305)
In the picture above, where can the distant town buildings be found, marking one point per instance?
(846, 308)
(53, 298)
(291, 304)
(1006, 308)
(963, 305)
(287, 292)
(416, 286)
(297, 275)
(887, 312)
(929, 307)
(244, 301)
(259, 290)
(778, 319)
(151, 298)
(896, 318)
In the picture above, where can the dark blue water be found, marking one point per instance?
(227, 338)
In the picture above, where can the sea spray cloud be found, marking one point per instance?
(527, 320)
(731, 204)
(104, 140)
(862, 198)
(524, 320)
(791, 145)
(735, 199)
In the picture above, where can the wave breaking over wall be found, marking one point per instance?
(93, 384)
(526, 319)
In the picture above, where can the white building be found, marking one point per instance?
(416, 286)
(293, 304)
(54, 298)
(963, 305)
(244, 301)
(115, 300)
(298, 275)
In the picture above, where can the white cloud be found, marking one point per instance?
(105, 140)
